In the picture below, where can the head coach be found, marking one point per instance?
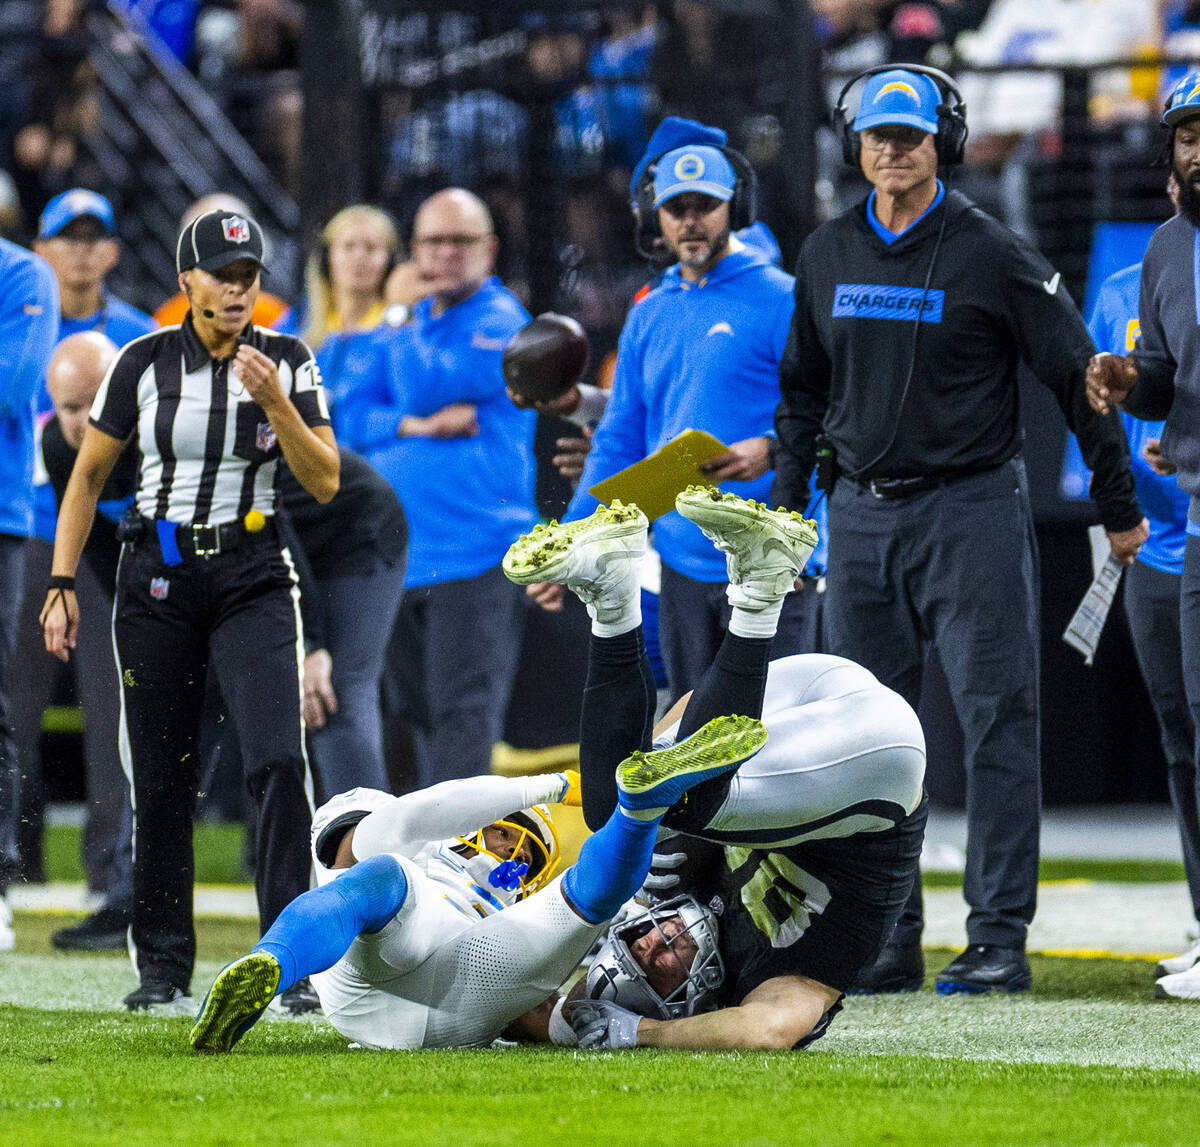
(913, 310)
(212, 403)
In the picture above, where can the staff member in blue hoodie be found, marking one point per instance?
(701, 351)
(913, 310)
(430, 413)
(28, 332)
(77, 236)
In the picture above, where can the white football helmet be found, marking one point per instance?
(615, 974)
(499, 876)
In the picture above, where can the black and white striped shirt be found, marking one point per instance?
(208, 451)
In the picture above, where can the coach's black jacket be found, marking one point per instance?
(992, 300)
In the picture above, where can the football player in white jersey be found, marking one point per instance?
(428, 930)
(809, 850)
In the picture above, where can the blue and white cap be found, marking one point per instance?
(1184, 100)
(899, 97)
(77, 203)
(701, 168)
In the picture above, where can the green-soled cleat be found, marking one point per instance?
(765, 550)
(238, 996)
(598, 557)
(660, 778)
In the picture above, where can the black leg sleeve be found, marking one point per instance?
(617, 718)
(734, 684)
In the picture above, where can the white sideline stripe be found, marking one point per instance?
(1077, 917)
(209, 900)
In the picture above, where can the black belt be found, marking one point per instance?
(890, 489)
(203, 541)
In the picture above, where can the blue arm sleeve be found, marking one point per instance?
(28, 331)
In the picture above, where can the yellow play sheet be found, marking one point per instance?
(652, 483)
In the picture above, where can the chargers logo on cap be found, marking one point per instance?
(898, 86)
(81, 202)
(689, 167)
(236, 229)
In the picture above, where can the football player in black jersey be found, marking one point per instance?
(813, 843)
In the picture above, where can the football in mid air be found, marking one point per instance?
(545, 358)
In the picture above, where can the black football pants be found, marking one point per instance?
(239, 610)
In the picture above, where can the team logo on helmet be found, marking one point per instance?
(689, 167)
(236, 229)
(898, 86)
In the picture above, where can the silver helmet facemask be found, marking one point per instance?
(616, 976)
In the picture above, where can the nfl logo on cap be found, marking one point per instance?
(236, 229)
(159, 587)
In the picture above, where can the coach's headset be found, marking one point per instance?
(951, 138)
(743, 206)
(949, 142)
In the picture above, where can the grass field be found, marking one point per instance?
(1088, 1058)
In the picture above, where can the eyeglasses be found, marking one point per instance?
(906, 138)
(458, 242)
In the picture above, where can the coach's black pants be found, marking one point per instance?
(237, 609)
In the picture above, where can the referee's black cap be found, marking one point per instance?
(217, 238)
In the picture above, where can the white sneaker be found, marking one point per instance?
(1180, 986)
(765, 550)
(1180, 963)
(599, 558)
(8, 938)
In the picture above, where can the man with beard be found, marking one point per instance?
(913, 310)
(701, 351)
(1161, 380)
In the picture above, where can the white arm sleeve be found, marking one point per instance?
(452, 808)
(592, 403)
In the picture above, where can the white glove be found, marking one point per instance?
(600, 1025)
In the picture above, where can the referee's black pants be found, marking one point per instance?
(239, 609)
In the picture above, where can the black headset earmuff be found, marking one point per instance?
(951, 138)
(743, 207)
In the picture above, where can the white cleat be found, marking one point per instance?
(1181, 963)
(765, 550)
(8, 938)
(599, 558)
(1180, 986)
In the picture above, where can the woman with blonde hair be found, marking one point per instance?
(345, 276)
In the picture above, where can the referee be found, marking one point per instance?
(213, 403)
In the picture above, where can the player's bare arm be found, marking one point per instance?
(98, 455)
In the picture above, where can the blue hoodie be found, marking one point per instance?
(28, 332)
(695, 356)
(467, 499)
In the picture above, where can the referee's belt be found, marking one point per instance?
(180, 540)
(890, 489)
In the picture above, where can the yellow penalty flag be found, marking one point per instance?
(653, 483)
